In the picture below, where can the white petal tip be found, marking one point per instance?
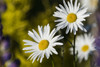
(85, 30)
(74, 33)
(66, 32)
(56, 53)
(24, 40)
(23, 49)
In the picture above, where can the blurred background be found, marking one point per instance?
(19, 16)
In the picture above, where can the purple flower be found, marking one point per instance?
(2, 6)
(98, 61)
(15, 63)
(97, 41)
(5, 44)
(0, 30)
(98, 21)
(6, 57)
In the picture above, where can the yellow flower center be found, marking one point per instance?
(43, 44)
(71, 17)
(85, 48)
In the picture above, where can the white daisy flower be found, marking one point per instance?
(44, 43)
(91, 4)
(84, 45)
(71, 16)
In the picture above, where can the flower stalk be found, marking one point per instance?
(52, 61)
(74, 53)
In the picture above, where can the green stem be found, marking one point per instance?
(75, 63)
(70, 42)
(62, 50)
(52, 61)
(52, 64)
